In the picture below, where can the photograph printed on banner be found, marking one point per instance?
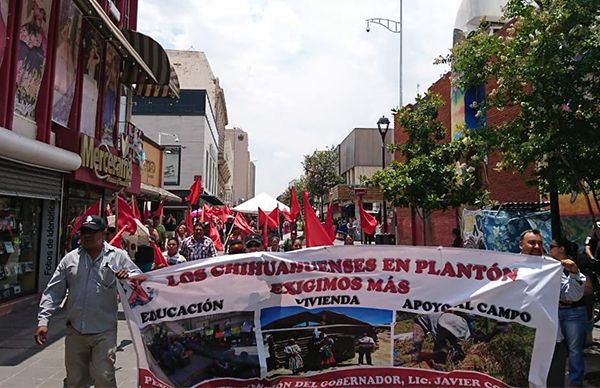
(455, 340)
(189, 351)
(300, 341)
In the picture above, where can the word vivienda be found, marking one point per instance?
(348, 266)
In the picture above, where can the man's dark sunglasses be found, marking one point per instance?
(253, 245)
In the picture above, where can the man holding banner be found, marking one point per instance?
(90, 275)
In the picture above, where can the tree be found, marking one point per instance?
(321, 173)
(299, 185)
(547, 64)
(432, 175)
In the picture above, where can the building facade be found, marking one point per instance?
(243, 175)
(359, 157)
(68, 70)
(194, 72)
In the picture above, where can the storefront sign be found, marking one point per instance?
(151, 172)
(370, 316)
(105, 164)
(49, 243)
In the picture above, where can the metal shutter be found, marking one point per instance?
(21, 180)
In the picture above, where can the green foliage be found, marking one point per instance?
(300, 187)
(433, 176)
(321, 172)
(547, 65)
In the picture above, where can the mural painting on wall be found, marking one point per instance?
(575, 217)
(3, 22)
(92, 60)
(500, 230)
(33, 47)
(109, 103)
(65, 71)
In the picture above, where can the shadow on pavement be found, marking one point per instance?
(17, 330)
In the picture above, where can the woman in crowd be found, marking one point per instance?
(294, 359)
(348, 240)
(172, 253)
(274, 245)
(181, 232)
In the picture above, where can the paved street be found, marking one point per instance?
(24, 364)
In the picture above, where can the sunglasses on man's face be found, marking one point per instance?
(253, 245)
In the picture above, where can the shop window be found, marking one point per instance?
(19, 245)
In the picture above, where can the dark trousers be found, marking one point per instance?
(556, 374)
(361, 356)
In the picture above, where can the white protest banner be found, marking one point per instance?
(347, 316)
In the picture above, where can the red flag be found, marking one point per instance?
(159, 210)
(274, 218)
(367, 221)
(314, 233)
(159, 259)
(125, 216)
(135, 208)
(265, 235)
(188, 221)
(92, 210)
(329, 223)
(195, 191)
(116, 240)
(287, 215)
(240, 222)
(206, 213)
(294, 205)
(213, 233)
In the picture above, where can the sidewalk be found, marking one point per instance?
(25, 364)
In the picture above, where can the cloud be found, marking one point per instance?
(300, 75)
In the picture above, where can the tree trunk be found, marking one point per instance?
(555, 213)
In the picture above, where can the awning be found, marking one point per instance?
(215, 201)
(93, 12)
(159, 192)
(155, 56)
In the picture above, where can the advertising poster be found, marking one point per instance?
(3, 23)
(377, 316)
(67, 52)
(92, 64)
(109, 103)
(171, 160)
(33, 50)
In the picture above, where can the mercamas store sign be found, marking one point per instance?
(106, 166)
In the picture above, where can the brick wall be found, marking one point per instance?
(504, 186)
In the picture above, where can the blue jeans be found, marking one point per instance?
(573, 323)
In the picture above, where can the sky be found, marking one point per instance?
(371, 316)
(300, 75)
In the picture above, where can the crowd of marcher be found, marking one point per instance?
(93, 322)
(212, 342)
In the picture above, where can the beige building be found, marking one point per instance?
(243, 182)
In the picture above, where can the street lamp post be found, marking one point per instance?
(395, 27)
(383, 125)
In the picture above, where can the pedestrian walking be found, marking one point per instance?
(90, 275)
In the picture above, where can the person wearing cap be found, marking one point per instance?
(90, 274)
(198, 246)
(236, 246)
(253, 242)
